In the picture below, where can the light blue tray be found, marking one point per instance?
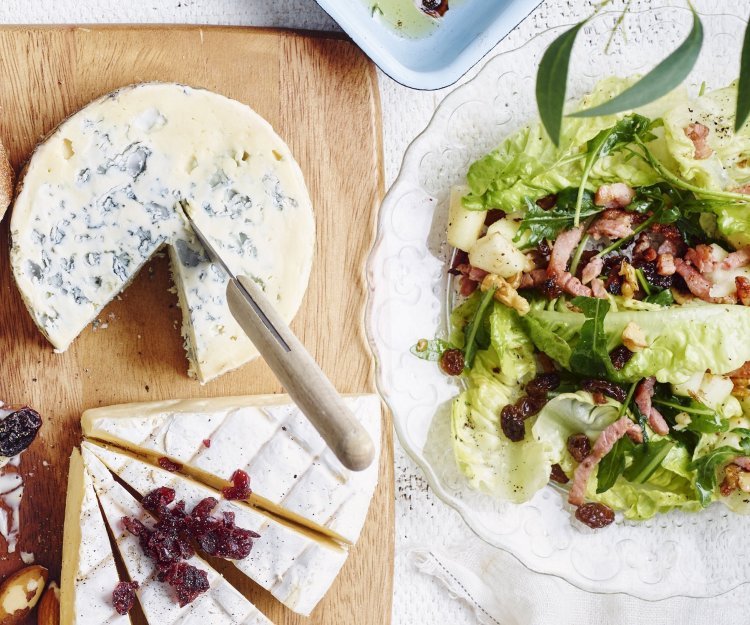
(469, 31)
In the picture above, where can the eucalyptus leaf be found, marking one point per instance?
(743, 86)
(551, 81)
(667, 75)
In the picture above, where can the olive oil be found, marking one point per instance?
(404, 17)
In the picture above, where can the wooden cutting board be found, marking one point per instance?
(321, 96)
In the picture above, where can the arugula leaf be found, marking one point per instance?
(612, 465)
(705, 468)
(476, 331)
(608, 141)
(703, 419)
(590, 356)
(547, 224)
(743, 86)
(667, 75)
(646, 459)
(662, 298)
(430, 350)
(552, 79)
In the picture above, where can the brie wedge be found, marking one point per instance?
(222, 604)
(99, 198)
(293, 566)
(89, 573)
(293, 472)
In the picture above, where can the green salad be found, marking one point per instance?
(603, 333)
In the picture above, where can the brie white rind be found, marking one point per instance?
(98, 200)
(89, 573)
(221, 604)
(296, 568)
(293, 472)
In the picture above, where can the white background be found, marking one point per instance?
(420, 517)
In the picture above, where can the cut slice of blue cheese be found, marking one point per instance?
(294, 566)
(98, 199)
(221, 604)
(293, 473)
(89, 573)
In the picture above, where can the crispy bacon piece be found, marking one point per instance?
(698, 285)
(698, 134)
(617, 195)
(470, 277)
(562, 250)
(607, 439)
(643, 395)
(613, 223)
(593, 269)
(702, 257)
(742, 285)
(743, 462)
(740, 258)
(597, 288)
(665, 265)
(745, 189)
(533, 278)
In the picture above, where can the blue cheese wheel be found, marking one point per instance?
(98, 200)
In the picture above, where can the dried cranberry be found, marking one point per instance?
(204, 508)
(550, 288)
(188, 581)
(544, 248)
(167, 546)
(543, 384)
(579, 446)
(595, 515)
(620, 356)
(547, 202)
(529, 406)
(493, 215)
(18, 430)
(226, 540)
(240, 488)
(452, 361)
(512, 424)
(558, 475)
(168, 465)
(652, 276)
(123, 597)
(135, 527)
(207, 443)
(158, 499)
(610, 389)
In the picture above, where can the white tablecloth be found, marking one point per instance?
(423, 523)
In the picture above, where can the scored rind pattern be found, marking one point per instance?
(676, 554)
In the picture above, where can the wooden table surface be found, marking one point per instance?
(321, 96)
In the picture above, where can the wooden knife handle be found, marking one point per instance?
(301, 377)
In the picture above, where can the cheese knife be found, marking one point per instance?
(292, 364)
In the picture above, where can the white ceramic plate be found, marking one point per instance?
(677, 554)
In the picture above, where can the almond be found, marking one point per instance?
(20, 592)
(49, 606)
